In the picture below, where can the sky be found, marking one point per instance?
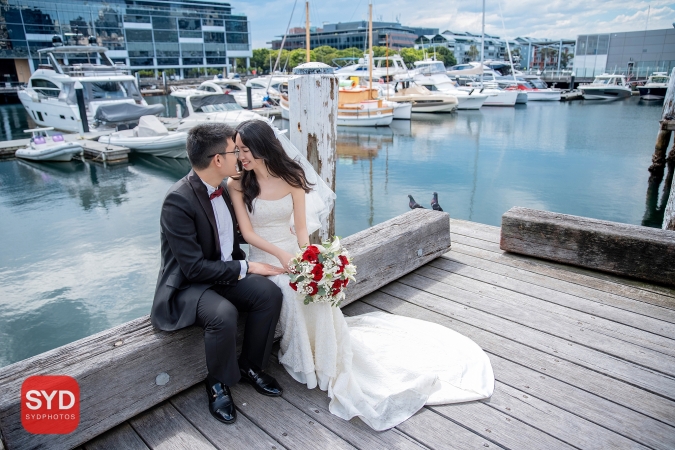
(552, 19)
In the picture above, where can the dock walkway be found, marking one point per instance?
(581, 359)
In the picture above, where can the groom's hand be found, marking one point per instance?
(263, 269)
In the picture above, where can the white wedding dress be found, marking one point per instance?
(378, 366)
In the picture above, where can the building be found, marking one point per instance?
(545, 54)
(180, 36)
(353, 34)
(636, 53)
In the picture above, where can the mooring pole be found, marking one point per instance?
(663, 138)
(79, 96)
(669, 213)
(313, 102)
(249, 98)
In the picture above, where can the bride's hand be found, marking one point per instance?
(284, 259)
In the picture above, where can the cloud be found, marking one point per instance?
(554, 19)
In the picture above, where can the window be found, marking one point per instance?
(136, 19)
(167, 61)
(166, 36)
(214, 37)
(189, 24)
(191, 34)
(45, 87)
(163, 23)
(139, 36)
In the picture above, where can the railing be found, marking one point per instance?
(238, 47)
(10, 87)
(83, 70)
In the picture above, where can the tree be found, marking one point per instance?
(473, 52)
(261, 59)
(444, 54)
(410, 55)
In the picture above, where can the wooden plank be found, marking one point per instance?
(193, 405)
(164, 428)
(622, 282)
(575, 389)
(387, 251)
(474, 230)
(530, 349)
(613, 307)
(314, 403)
(560, 349)
(669, 211)
(437, 432)
(596, 332)
(561, 424)
(590, 316)
(284, 422)
(116, 369)
(561, 272)
(122, 436)
(628, 250)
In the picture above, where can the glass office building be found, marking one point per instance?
(178, 36)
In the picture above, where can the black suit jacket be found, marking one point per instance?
(190, 253)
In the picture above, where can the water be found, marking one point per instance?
(80, 241)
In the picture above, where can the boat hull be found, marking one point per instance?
(543, 96)
(403, 111)
(504, 98)
(171, 146)
(522, 98)
(365, 120)
(61, 153)
(433, 107)
(647, 93)
(470, 102)
(603, 93)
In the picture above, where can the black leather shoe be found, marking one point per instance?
(263, 383)
(221, 404)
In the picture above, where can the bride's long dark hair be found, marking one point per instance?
(259, 137)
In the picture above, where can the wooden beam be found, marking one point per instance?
(663, 136)
(123, 371)
(628, 250)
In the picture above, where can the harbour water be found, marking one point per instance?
(80, 241)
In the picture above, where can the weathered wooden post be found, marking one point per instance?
(313, 101)
(665, 130)
(669, 213)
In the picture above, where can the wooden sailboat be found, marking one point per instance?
(360, 106)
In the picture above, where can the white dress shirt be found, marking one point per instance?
(225, 228)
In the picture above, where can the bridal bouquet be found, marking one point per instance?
(321, 272)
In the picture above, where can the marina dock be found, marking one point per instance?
(582, 359)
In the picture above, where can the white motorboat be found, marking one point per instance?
(213, 108)
(51, 99)
(150, 137)
(425, 101)
(387, 68)
(606, 87)
(273, 85)
(655, 88)
(432, 75)
(496, 96)
(45, 147)
(230, 86)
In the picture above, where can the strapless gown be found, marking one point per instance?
(379, 367)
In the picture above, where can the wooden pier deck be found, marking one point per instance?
(582, 360)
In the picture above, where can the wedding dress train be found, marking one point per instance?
(378, 366)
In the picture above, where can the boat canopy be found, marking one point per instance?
(212, 103)
(125, 112)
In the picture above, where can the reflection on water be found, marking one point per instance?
(13, 120)
(80, 241)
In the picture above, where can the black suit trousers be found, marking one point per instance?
(217, 312)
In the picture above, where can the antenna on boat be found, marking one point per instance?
(370, 50)
(307, 29)
(508, 49)
(283, 41)
(482, 47)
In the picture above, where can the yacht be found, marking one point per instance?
(273, 85)
(656, 86)
(606, 87)
(360, 106)
(50, 98)
(432, 75)
(233, 87)
(213, 108)
(535, 89)
(387, 68)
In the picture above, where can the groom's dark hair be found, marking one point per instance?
(205, 140)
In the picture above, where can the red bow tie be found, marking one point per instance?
(217, 193)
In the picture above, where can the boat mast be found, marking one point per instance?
(386, 37)
(482, 46)
(370, 50)
(307, 28)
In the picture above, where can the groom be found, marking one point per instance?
(204, 278)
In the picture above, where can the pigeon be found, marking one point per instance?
(413, 204)
(434, 203)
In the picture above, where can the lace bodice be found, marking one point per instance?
(271, 220)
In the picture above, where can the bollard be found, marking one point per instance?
(249, 98)
(313, 101)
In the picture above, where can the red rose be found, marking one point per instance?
(340, 270)
(343, 260)
(317, 272)
(314, 288)
(293, 286)
(337, 284)
(311, 254)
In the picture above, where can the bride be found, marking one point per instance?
(379, 367)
